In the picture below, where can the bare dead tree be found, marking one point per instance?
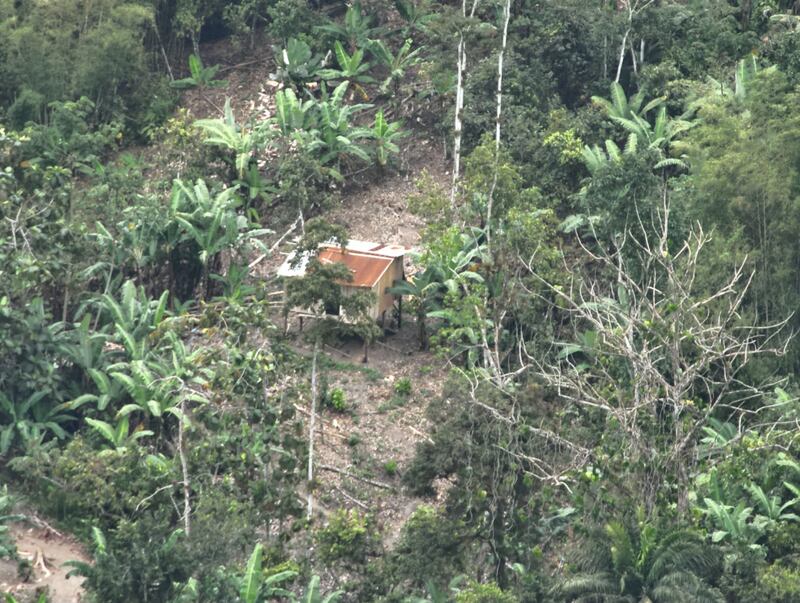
(663, 355)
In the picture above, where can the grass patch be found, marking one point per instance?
(329, 363)
(392, 404)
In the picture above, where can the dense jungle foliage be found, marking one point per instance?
(608, 273)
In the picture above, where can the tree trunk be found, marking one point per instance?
(622, 54)
(497, 122)
(311, 426)
(461, 66)
(187, 506)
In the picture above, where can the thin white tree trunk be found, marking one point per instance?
(504, 44)
(187, 506)
(461, 66)
(633, 59)
(622, 54)
(311, 426)
(500, 59)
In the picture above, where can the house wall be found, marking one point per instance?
(383, 301)
(386, 300)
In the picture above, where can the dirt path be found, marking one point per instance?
(46, 552)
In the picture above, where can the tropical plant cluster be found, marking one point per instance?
(606, 271)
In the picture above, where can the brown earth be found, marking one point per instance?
(46, 550)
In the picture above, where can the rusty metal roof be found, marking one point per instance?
(366, 269)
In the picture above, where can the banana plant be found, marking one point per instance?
(134, 315)
(296, 64)
(356, 30)
(200, 76)
(313, 593)
(255, 588)
(631, 116)
(84, 347)
(255, 184)
(149, 393)
(658, 136)
(772, 507)
(335, 136)
(622, 107)
(292, 114)
(719, 434)
(159, 389)
(417, 15)
(596, 159)
(735, 524)
(397, 64)
(210, 221)
(226, 133)
(82, 568)
(29, 419)
(352, 68)
(119, 435)
(426, 290)
(108, 391)
(784, 460)
(385, 135)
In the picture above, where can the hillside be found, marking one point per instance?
(399, 301)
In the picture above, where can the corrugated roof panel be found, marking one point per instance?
(382, 249)
(366, 269)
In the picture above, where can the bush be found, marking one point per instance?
(431, 547)
(403, 387)
(346, 537)
(336, 400)
(779, 583)
(71, 139)
(484, 593)
(288, 18)
(29, 106)
(390, 467)
(7, 547)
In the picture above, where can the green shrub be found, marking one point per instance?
(346, 537)
(290, 18)
(336, 400)
(71, 139)
(7, 547)
(29, 106)
(484, 593)
(402, 386)
(779, 583)
(390, 467)
(431, 547)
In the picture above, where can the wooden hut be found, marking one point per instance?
(374, 267)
